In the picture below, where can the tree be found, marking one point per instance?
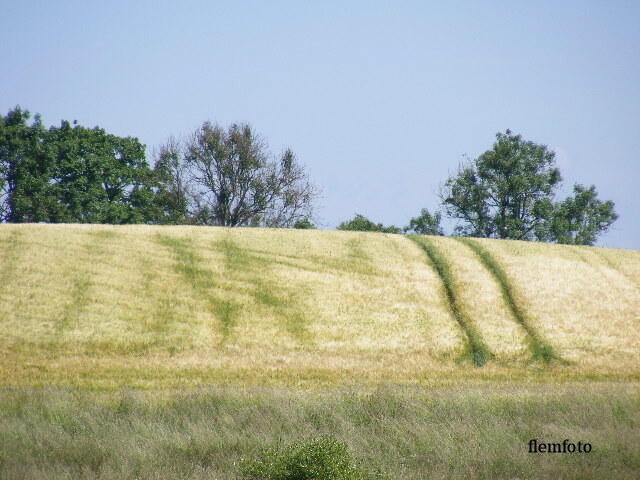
(227, 177)
(507, 192)
(173, 191)
(360, 223)
(24, 164)
(425, 223)
(580, 218)
(72, 174)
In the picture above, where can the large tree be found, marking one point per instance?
(72, 174)
(227, 177)
(509, 192)
(25, 165)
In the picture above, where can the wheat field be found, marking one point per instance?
(167, 307)
(145, 352)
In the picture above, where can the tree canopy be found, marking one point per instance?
(71, 174)
(580, 218)
(227, 177)
(509, 192)
(425, 224)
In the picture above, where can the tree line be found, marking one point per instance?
(509, 192)
(228, 177)
(216, 176)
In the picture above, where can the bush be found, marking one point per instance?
(304, 224)
(360, 223)
(323, 458)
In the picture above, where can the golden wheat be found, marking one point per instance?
(152, 306)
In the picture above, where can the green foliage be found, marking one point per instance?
(24, 163)
(580, 218)
(304, 224)
(324, 458)
(425, 224)
(477, 348)
(360, 223)
(507, 192)
(72, 174)
(226, 176)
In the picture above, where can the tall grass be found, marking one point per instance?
(540, 349)
(406, 433)
(477, 348)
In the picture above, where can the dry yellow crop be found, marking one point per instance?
(167, 306)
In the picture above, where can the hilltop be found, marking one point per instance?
(147, 306)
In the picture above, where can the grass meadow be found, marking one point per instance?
(405, 432)
(181, 352)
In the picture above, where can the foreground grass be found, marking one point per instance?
(408, 433)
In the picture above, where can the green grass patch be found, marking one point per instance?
(540, 349)
(188, 262)
(405, 433)
(477, 349)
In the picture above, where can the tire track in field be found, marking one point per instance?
(603, 258)
(476, 347)
(250, 269)
(83, 280)
(189, 265)
(540, 348)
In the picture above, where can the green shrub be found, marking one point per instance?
(323, 458)
(304, 224)
(360, 223)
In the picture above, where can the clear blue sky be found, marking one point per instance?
(380, 100)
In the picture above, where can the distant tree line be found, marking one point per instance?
(217, 176)
(227, 176)
(509, 192)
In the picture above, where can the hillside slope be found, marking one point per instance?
(167, 306)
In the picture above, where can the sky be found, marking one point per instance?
(381, 101)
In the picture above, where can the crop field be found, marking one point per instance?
(175, 352)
